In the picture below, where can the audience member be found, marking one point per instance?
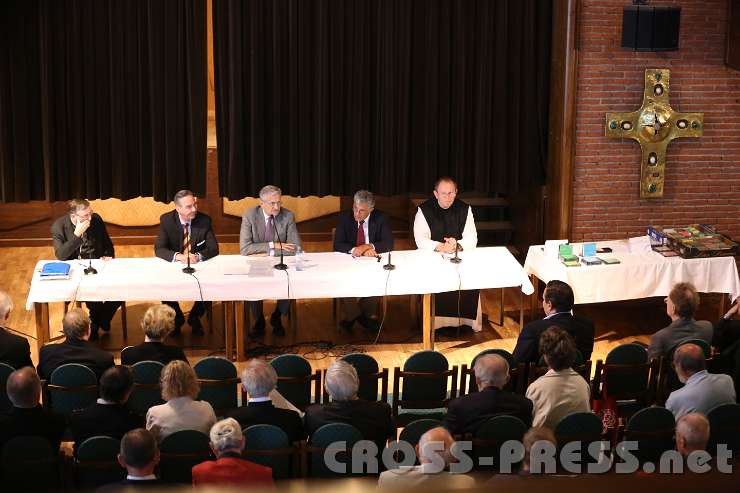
(75, 348)
(692, 433)
(181, 411)
(537, 435)
(139, 456)
(466, 414)
(14, 349)
(158, 322)
(726, 340)
(227, 443)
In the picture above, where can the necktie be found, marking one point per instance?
(360, 233)
(185, 240)
(270, 233)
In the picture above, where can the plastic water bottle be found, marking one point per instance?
(298, 258)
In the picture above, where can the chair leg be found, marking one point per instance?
(501, 311)
(209, 316)
(293, 315)
(124, 323)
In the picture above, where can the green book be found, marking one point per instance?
(572, 263)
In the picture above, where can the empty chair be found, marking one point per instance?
(323, 439)
(96, 462)
(420, 389)
(179, 452)
(295, 379)
(70, 387)
(491, 435)
(652, 428)
(269, 446)
(724, 428)
(28, 463)
(5, 404)
(218, 382)
(146, 391)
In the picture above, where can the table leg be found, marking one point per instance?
(241, 341)
(722, 305)
(41, 310)
(428, 320)
(229, 328)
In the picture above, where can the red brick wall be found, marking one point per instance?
(702, 174)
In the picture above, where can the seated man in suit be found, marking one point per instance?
(139, 456)
(467, 413)
(557, 303)
(692, 433)
(227, 443)
(364, 232)
(259, 380)
(726, 339)
(109, 416)
(266, 228)
(680, 304)
(158, 322)
(702, 391)
(75, 348)
(372, 419)
(82, 235)
(434, 452)
(186, 234)
(14, 349)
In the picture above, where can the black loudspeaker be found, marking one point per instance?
(650, 28)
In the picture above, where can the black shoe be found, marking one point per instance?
(197, 326)
(347, 325)
(258, 329)
(276, 320)
(369, 323)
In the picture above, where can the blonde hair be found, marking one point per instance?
(178, 380)
(158, 321)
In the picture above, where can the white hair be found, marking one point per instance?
(491, 369)
(365, 197)
(269, 190)
(259, 378)
(435, 436)
(6, 305)
(694, 428)
(226, 435)
(341, 381)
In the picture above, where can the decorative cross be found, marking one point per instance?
(654, 126)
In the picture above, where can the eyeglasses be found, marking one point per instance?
(273, 204)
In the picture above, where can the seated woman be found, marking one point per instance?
(181, 411)
(158, 322)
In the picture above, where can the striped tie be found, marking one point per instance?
(186, 240)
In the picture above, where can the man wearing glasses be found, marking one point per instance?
(81, 234)
(264, 229)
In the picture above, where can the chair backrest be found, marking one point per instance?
(146, 392)
(668, 380)
(425, 379)
(96, 462)
(652, 428)
(295, 378)
(724, 427)
(5, 404)
(369, 373)
(627, 373)
(413, 431)
(585, 428)
(330, 435)
(489, 437)
(124, 350)
(219, 384)
(70, 387)
(179, 452)
(269, 446)
(28, 463)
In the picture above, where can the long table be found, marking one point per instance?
(234, 279)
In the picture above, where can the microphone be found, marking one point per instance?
(456, 259)
(281, 265)
(89, 269)
(389, 265)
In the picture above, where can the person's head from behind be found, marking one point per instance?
(445, 191)
(76, 325)
(6, 306)
(258, 378)
(491, 370)
(536, 437)
(342, 381)
(558, 297)
(435, 446)
(226, 436)
(116, 384)
(682, 301)
(271, 200)
(558, 348)
(692, 433)
(178, 380)
(158, 322)
(139, 452)
(24, 388)
(687, 360)
(186, 205)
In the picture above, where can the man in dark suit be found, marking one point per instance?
(372, 419)
(109, 416)
(82, 235)
(363, 232)
(557, 303)
(139, 456)
(466, 414)
(75, 348)
(259, 379)
(14, 349)
(185, 234)
(27, 416)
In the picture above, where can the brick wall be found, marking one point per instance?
(702, 174)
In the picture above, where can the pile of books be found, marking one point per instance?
(570, 259)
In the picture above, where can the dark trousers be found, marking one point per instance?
(102, 312)
(283, 306)
(352, 308)
(199, 308)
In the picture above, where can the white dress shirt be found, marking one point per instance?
(423, 235)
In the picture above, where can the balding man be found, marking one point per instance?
(466, 414)
(14, 349)
(75, 348)
(27, 417)
(702, 390)
(692, 433)
(433, 450)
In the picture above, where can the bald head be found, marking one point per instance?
(688, 359)
(435, 442)
(692, 433)
(24, 388)
(491, 370)
(76, 324)
(6, 306)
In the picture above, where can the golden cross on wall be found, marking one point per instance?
(654, 126)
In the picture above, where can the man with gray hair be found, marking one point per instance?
(227, 443)
(259, 380)
(362, 232)
(467, 413)
(14, 349)
(266, 228)
(75, 348)
(692, 433)
(372, 419)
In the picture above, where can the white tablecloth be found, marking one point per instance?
(326, 275)
(637, 276)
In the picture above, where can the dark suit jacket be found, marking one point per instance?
(232, 471)
(528, 345)
(379, 232)
(265, 413)
(169, 239)
(67, 245)
(73, 351)
(678, 331)
(35, 421)
(465, 414)
(14, 350)
(372, 419)
(152, 351)
(132, 485)
(112, 420)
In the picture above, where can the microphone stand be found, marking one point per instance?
(456, 259)
(89, 269)
(188, 269)
(281, 265)
(389, 265)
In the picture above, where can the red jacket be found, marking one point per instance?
(232, 470)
